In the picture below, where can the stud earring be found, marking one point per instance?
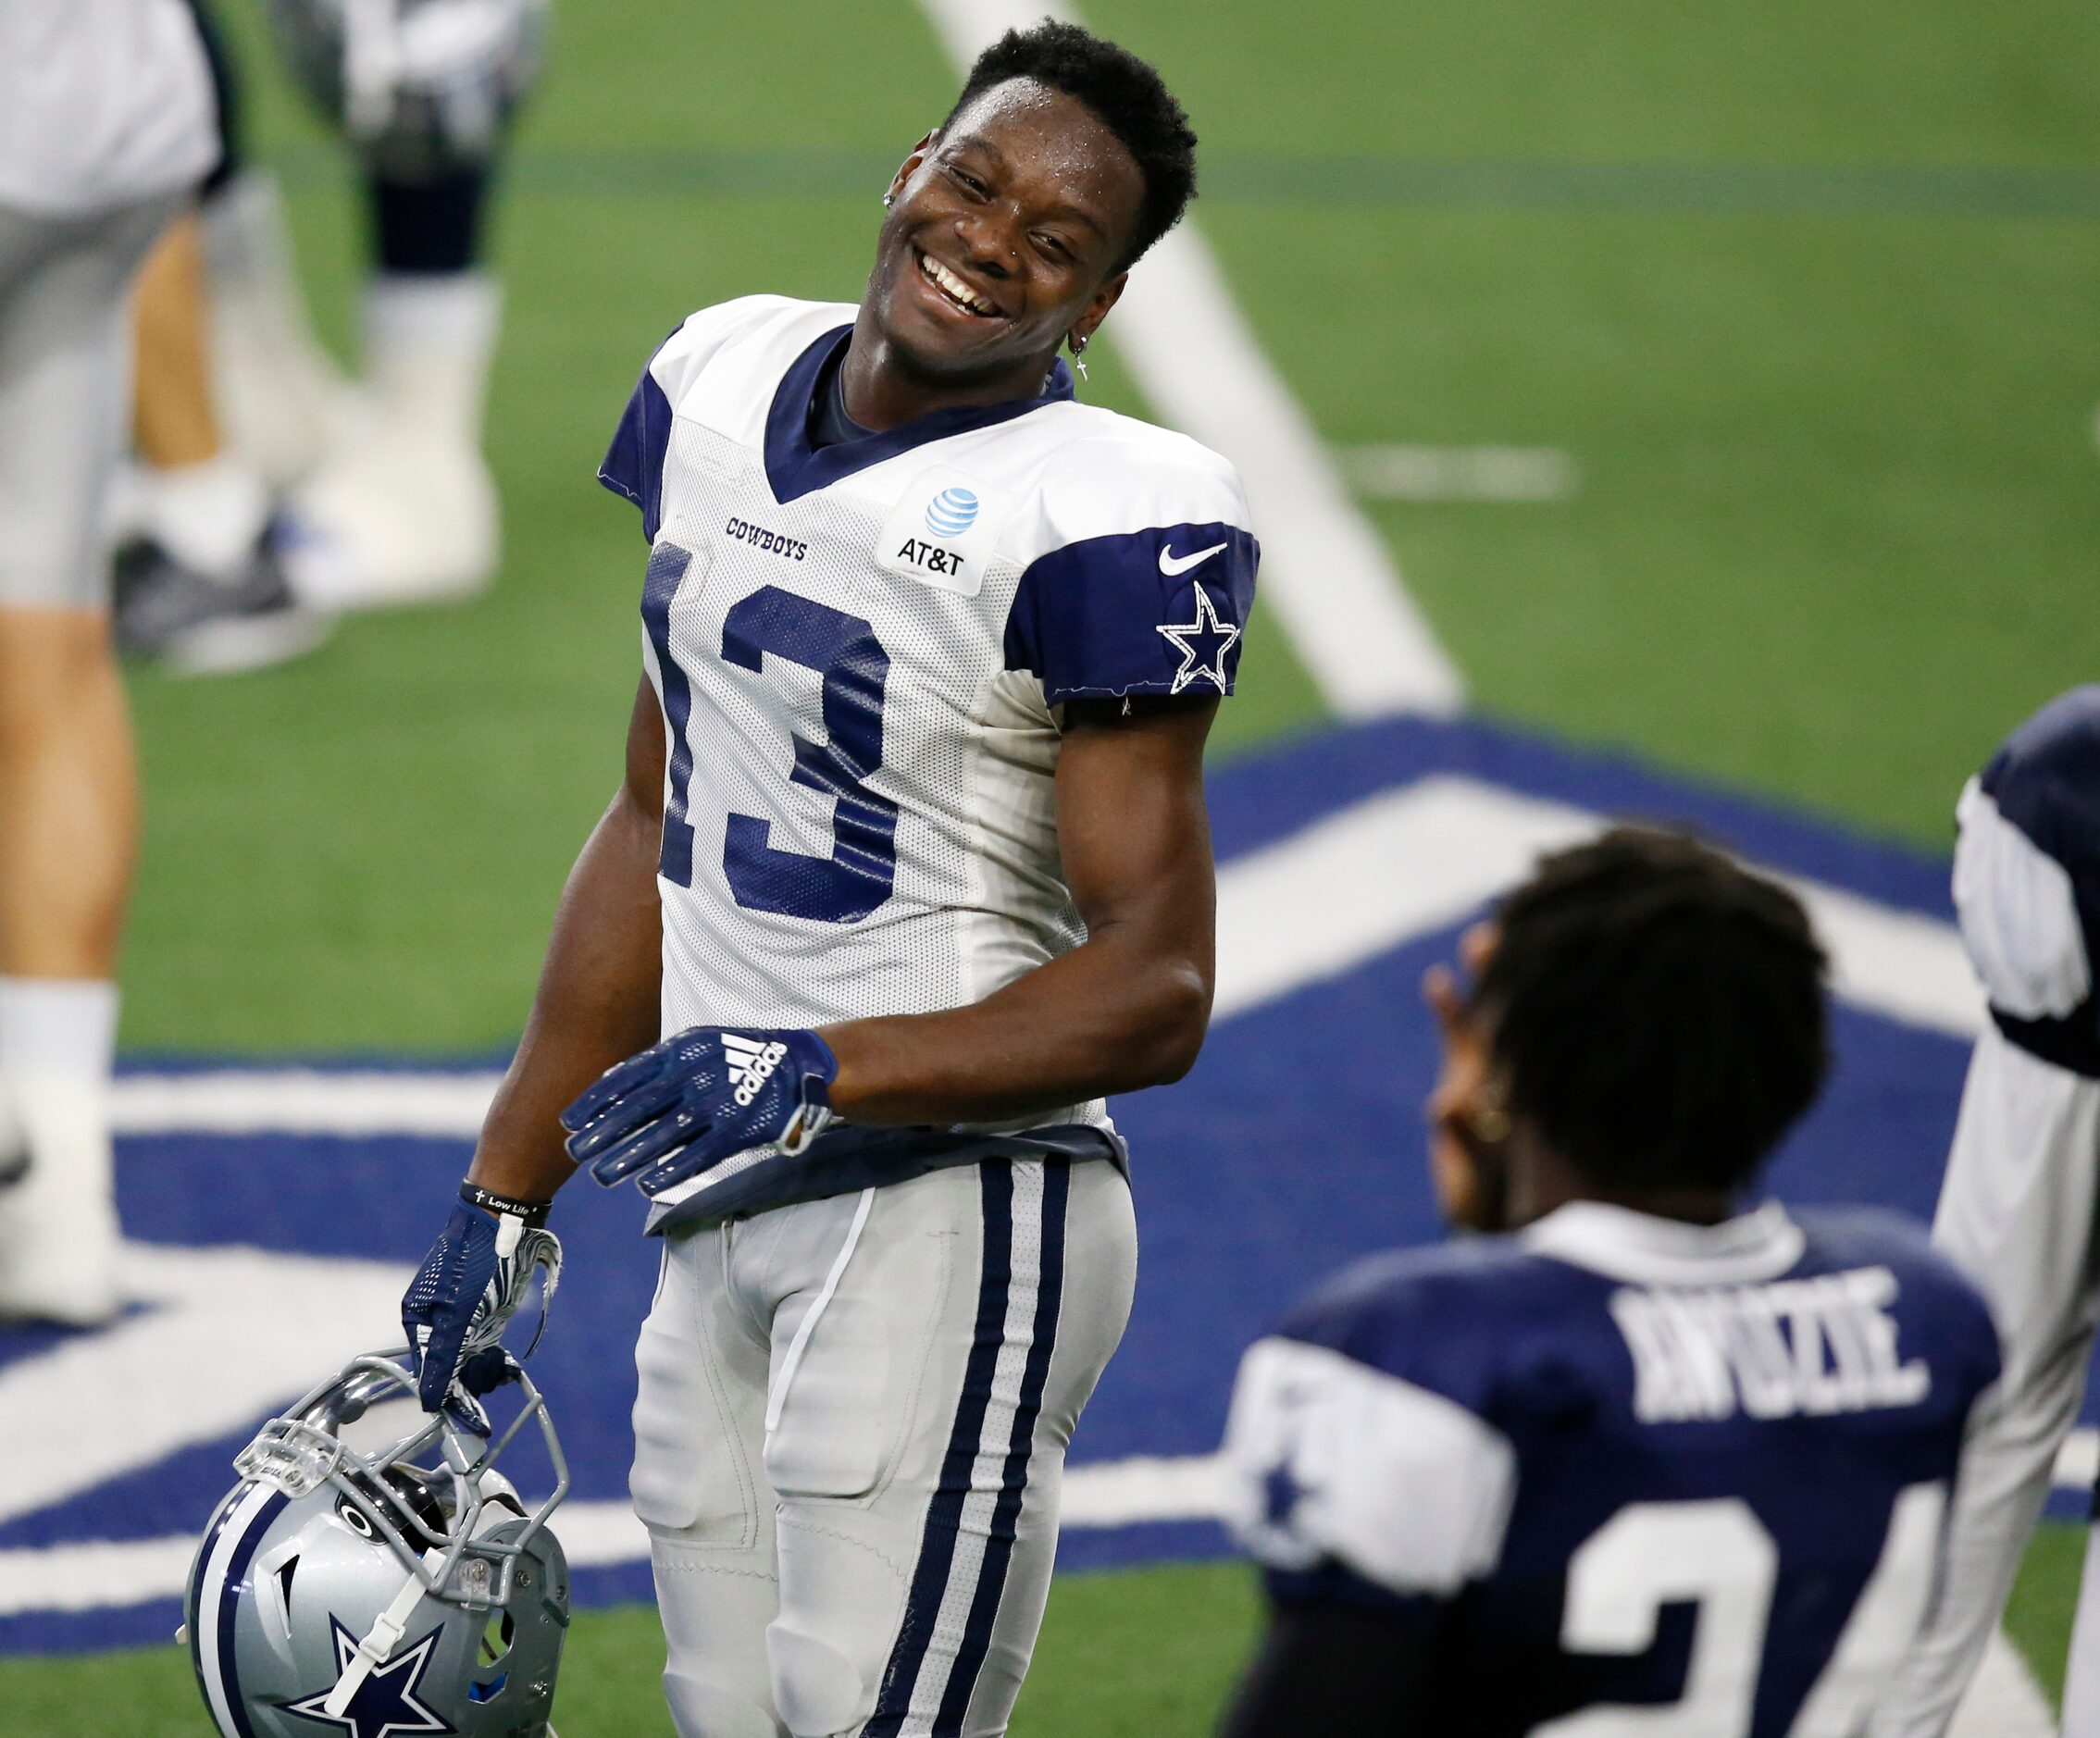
(1078, 355)
(888, 200)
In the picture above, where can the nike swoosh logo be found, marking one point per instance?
(1173, 565)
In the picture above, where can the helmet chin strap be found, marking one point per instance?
(379, 1641)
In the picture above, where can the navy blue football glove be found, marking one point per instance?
(461, 1299)
(706, 1095)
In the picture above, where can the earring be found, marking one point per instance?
(1078, 355)
(888, 200)
(1490, 1124)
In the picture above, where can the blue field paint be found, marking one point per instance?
(1294, 1146)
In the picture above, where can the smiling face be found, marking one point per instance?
(1003, 237)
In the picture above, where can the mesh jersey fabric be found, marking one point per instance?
(861, 651)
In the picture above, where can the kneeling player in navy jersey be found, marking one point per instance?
(1648, 1460)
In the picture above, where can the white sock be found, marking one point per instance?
(58, 1231)
(206, 516)
(57, 1025)
(416, 312)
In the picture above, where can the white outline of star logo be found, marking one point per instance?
(409, 1660)
(1206, 625)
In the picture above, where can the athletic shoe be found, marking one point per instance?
(402, 510)
(194, 624)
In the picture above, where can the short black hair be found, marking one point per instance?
(1127, 95)
(1657, 1010)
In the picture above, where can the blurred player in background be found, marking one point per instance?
(200, 580)
(911, 859)
(200, 575)
(2019, 1206)
(381, 494)
(399, 507)
(105, 124)
(1649, 1459)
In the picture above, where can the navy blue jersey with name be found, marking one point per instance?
(1617, 1463)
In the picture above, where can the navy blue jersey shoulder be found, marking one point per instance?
(1158, 611)
(1453, 1318)
(633, 466)
(2046, 780)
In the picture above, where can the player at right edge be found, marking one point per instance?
(1651, 1459)
(2016, 1210)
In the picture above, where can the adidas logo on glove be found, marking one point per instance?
(751, 1063)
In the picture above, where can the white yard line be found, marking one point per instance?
(1401, 472)
(305, 1102)
(1325, 570)
(2078, 1462)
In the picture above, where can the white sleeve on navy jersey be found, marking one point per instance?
(1330, 1460)
(2018, 1209)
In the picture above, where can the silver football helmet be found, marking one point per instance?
(419, 85)
(380, 1595)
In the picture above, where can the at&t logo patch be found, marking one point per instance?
(953, 511)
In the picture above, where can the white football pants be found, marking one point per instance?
(849, 1441)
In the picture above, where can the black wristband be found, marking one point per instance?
(534, 1213)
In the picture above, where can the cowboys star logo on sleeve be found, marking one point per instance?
(1202, 644)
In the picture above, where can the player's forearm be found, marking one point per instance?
(596, 1003)
(1116, 1015)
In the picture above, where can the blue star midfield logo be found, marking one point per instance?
(385, 1705)
(1202, 644)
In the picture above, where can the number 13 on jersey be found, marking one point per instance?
(861, 870)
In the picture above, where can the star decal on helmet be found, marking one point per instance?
(1202, 644)
(385, 1705)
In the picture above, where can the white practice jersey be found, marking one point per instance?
(861, 651)
(102, 103)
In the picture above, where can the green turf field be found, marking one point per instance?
(1806, 292)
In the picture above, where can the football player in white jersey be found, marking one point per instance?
(2020, 1205)
(912, 863)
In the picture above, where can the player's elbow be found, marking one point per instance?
(1178, 1015)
